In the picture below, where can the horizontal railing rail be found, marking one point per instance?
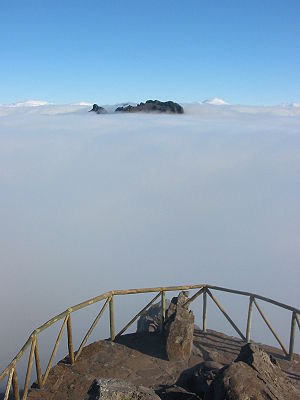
(160, 292)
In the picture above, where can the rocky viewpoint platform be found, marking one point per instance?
(141, 359)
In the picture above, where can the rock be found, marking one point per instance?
(128, 108)
(154, 106)
(176, 393)
(117, 389)
(177, 301)
(202, 376)
(198, 378)
(151, 320)
(253, 375)
(97, 109)
(196, 351)
(179, 329)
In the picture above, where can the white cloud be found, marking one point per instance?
(29, 103)
(96, 202)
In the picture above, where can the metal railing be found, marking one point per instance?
(108, 298)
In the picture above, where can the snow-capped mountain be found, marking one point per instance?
(296, 104)
(82, 103)
(215, 101)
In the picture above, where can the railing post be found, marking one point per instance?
(292, 336)
(38, 365)
(249, 321)
(112, 318)
(16, 393)
(29, 366)
(8, 385)
(163, 310)
(204, 311)
(70, 340)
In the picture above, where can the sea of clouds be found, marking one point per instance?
(90, 203)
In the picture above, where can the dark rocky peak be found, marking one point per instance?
(168, 107)
(97, 109)
(128, 108)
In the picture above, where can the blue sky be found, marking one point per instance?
(110, 51)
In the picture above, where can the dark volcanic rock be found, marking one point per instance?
(254, 375)
(97, 109)
(179, 329)
(117, 389)
(154, 106)
(151, 320)
(140, 359)
(176, 393)
(199, 378)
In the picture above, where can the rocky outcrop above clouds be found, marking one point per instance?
(97, 109)
(154, 106)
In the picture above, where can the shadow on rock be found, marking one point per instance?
(152, 344)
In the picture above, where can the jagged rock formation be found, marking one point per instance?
(97, 109)
(179, 329)
(151, 321)
(118, 389)
(253, 375)
(154, 106)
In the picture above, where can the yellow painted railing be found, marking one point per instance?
(108, 299)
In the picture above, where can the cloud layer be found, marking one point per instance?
(91, 203)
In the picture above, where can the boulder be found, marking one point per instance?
(179, 329)
(253, 375)
(154, 106)
(151, 320)
(117, 389)
(97, 109)
(202, 376)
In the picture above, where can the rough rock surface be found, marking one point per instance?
(154, 106)
(141, 360)
(254, 375)
(97, 109)
(175, 392)
(118, 389)
(179, 329)
(151, 320)
(198, 379)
